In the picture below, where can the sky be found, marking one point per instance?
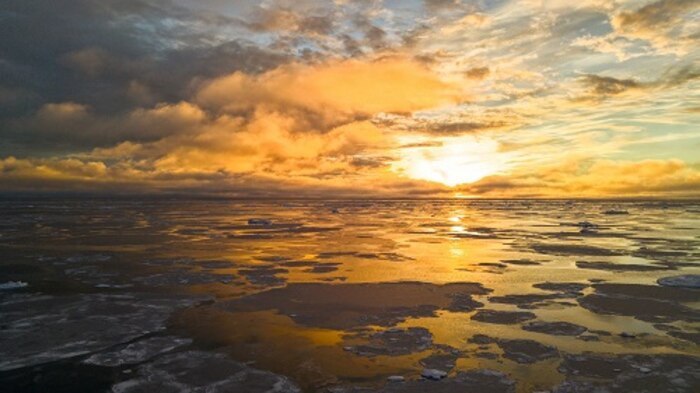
(365, 98)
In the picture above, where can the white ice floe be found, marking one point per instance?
(433, 374)
(13, 285)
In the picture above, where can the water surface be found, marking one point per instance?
(343, 294)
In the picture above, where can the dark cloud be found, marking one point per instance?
(111, 87)
(464, 127)
(413, 36)
(115, 56)
(492, 184)
(656, 15)
(370, 162)
(422, 144)
(351, 45)
(606, 85)
(662, 24)
(69, 127)
(600, 87)
(449, 126)
(434, 57)
(374, 36)
(478, 72)
(110, 56)
(681, 74)
(442, 5)
(92, 47)
(288, 20)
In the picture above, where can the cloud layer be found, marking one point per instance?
(351, 99)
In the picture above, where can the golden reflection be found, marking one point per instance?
(457, 252)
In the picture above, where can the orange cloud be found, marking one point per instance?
(267, 143)
(297, 124)
(336, 127)
(349, 88)
(601, 178)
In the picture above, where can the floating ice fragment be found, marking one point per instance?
(684, 280)
(259, 221)
(13, 285)
(433, 374)
(616, 212)
(138, 351)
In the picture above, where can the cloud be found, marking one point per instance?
(620, 47)
(455, 121)
(598, 87)
(299, 124)
(111, 55)
(265, 144)
(351, 176)
(89, 61)
(437, 5)
(477, 72)
(72, 125)
(336, 90)
(375, 37)
(311, 97)
(607, 86)
(291, 21)
(660, 23)
(679, 75)
(468, 22)
(599, 178)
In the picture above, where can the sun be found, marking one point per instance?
(450, 160)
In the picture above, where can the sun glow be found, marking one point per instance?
(452, 161)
